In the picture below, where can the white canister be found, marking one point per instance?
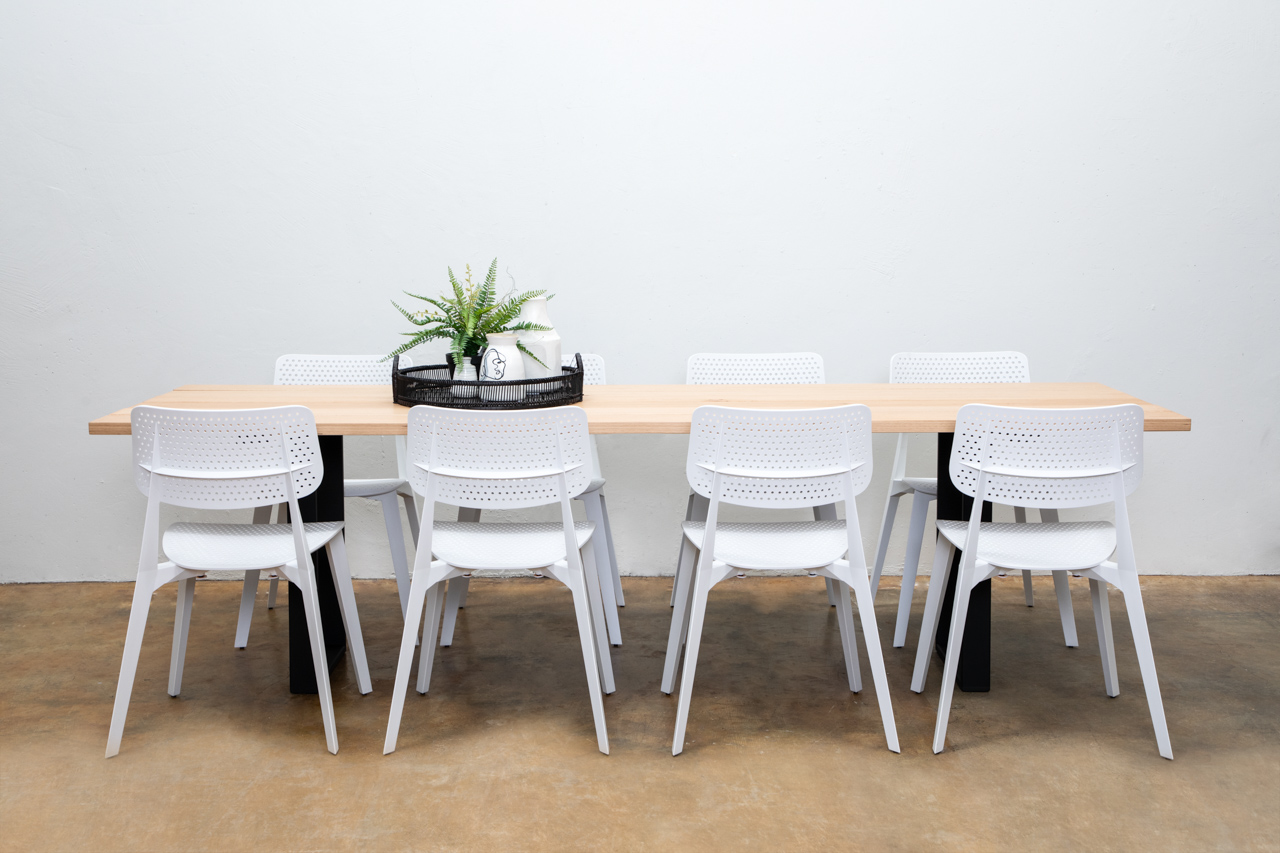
(544, 345)
(466, 371)
(502, 361)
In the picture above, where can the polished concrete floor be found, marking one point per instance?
(780, 755)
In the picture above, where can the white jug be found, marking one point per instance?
(544, 345)
(502, 360)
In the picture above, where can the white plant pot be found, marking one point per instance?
(544, 345)
(466, 372)
(502, 361)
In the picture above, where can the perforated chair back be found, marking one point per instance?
(498, 459)
(766, 368)
(592, 367)
(1047, 457)
(295, 369)
(947, 367)
(226, 459)
(784, 458)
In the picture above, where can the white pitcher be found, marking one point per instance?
(545, 345)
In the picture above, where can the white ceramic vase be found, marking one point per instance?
(502, 360)
(467, 371)
(544, 345)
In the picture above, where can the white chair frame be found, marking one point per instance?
(1050, 458)
(476, 459)
(727, 465)
(946, 368)
(296, 369)
(231, 460)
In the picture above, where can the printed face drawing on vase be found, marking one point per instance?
(495, 364)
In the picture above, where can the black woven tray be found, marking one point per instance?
(434, 385)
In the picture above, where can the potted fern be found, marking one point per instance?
(467, 319)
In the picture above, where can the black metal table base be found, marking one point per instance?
(974, 672)
(324, 504)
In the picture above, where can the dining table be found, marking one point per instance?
(352, 410)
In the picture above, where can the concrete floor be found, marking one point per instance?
(780, 756)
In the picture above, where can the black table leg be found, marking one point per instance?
(324, 504)
(974, 673)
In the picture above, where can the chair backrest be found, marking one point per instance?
(763, 368)
(592, 367)
(795, 457)
(294, 369)
(226, 459)
(498, 459)
(1047, 457)
(945, 367)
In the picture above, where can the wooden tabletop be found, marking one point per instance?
(369, 410)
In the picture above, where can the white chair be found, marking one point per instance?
(344, 370)
(501, 460)
(945, 368)
(1052, 459)
(232, 460)
(597, 511)
(776, 459)
(763, 368)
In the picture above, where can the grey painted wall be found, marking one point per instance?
(190, 190)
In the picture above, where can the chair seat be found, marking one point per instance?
(206, 547)
(1059, 546)
(595, 485)
(775, 545)
(371, 488)
(476, 545)
(923, 485)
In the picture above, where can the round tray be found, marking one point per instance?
(433, 385)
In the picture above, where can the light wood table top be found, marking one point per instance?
(369, 410)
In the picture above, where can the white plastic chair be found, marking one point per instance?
(776, 459)
(501, 460)
(232, 460)
(344, 370)
(945, 368)
(765, 368)
(597, 511)
(1052, 459)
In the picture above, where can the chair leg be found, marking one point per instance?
(315, 629)
(337, 550)
(675, 638)
(882, 546)
(942, 553)
(596, 600)
(701, 588)
(283, 515)
(871, 636)
(959, 613)
(1106, 644)
(1065, 612)
(417, 592)
(452, 603)
(689, 511)
(181, 628)
(129, 663)
(395, 538)
(600, 549)
(849, 639)
(586, 636)
(247, 596)
(1020, 517)
(411, 510)
(613, 558)
(1146, 661)
(910, 567)
(430, 625)
(464, 584)
(827, 512)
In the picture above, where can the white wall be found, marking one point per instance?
(188, 190)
